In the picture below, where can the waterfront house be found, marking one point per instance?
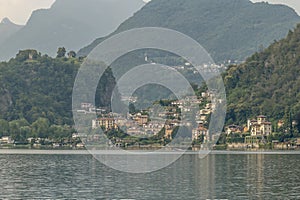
(6, 140)
(260, 127)
(233, 129)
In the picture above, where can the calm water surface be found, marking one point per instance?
(215, 177)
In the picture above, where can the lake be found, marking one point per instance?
(218, 176)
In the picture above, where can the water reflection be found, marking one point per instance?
(215, 177)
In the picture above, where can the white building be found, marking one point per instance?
(260, 127)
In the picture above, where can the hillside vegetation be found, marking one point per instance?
(267, 83)
(36, 90)
(228, 29)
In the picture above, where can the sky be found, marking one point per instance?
(19, 11)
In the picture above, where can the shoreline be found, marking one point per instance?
(143, 152)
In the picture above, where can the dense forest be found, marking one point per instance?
(267, 83)
(36, 94)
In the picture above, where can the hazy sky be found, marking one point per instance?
(20, 10)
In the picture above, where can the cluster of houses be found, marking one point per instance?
(206, 68)
(258, 128)
(136, 125)
(201, 119)
(88, 108)
(140, 124)
(39, 142)
(256, 132)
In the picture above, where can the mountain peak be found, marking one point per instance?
(6, 21)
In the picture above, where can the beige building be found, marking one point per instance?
(260, 127)
(107, 123)
(141, 119)
(6, 140)
(200, 131)
(233, 129)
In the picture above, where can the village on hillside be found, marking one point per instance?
(138, 129)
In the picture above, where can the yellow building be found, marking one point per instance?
(169, 127)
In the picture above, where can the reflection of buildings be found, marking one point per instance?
(107, 123)
(204, 175)
(255, 168)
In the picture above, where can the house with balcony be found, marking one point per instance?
(260, 126)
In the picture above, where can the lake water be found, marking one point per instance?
(221, 176)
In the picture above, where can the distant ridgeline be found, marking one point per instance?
(7, 29)
(68, 23)
(268, 82)
(227, 29)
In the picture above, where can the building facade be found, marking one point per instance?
(107, 123)
(260, 126)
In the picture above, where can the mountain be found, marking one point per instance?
(7, 29)
(69, 23)
(227, 29)
(267, 83)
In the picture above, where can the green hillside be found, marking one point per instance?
(228, 29)
(267, 83)
(36, 90)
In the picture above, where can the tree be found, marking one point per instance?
(72, 54)
(132, 109)
(15, 129)
(288, 122)
(61, 52)
(4, 128)
(41, 127)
